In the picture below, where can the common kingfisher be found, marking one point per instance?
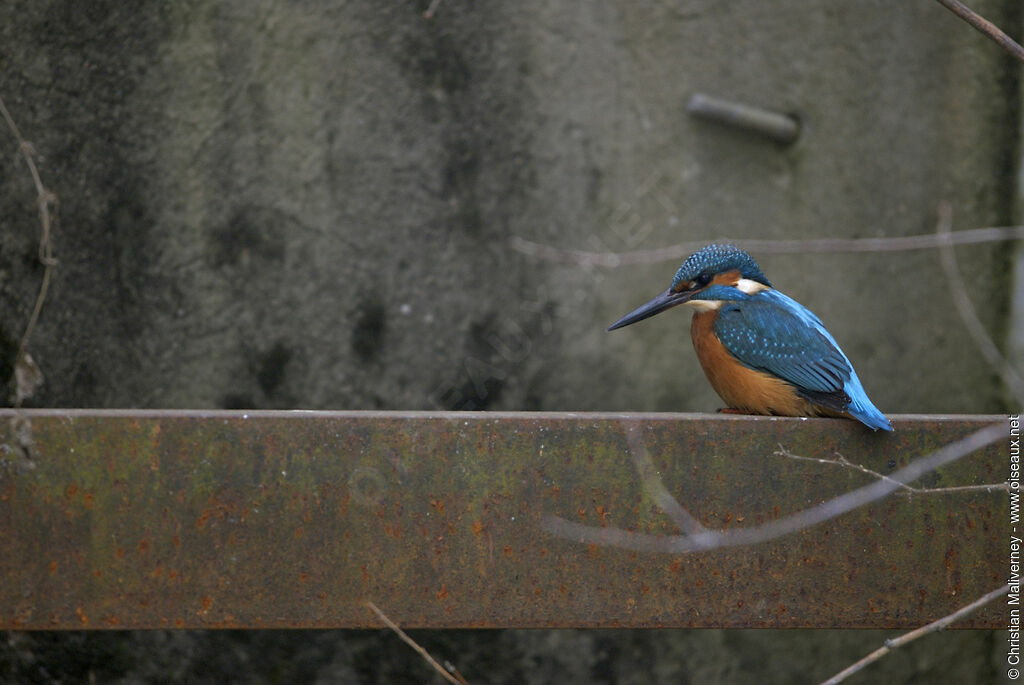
(762, 351)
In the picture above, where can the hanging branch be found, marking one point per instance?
(933, 627)
(985, 26)
(24, 368)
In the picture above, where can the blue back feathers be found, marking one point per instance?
(774, 333)
(717, 259)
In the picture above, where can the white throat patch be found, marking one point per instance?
(705, 305)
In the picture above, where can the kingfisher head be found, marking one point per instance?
(708, 277)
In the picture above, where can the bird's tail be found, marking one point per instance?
(863, 410)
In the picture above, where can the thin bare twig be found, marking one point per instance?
(964, 307)
(679, 251)
(985, 26)
(429, 13)
(904, 488)
(933, 627)
(459, 680)
(45, 198)
(656, 488)
(677, 544)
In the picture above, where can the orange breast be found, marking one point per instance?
(742, 388)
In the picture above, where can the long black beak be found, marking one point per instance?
(666, 300)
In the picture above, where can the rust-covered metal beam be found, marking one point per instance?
(157, 519)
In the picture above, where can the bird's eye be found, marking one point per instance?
(703, 280)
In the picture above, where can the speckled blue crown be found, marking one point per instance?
(716, 259)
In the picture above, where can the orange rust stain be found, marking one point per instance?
(555, 489)
(739, 604)
(81, 616)
(158, 571)
(543, 551)
(437, 504)
(644, 589)
(592, 548)
(207, 602)
(563, 589)
(508, 550)
(298, 532)
(87, 500)
(179, 623)
(602, 513)
(442, 593)
(143, 546)
(98, 573)
(203, 518)
(112, 620)
(478, 527)
(676, 566)
(172, 575)
(71, 491)
(53, 567)
(176, 541)
(303, 577)
(581, 512)
(120, 553)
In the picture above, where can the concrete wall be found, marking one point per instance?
(304, 204)
(315, 204)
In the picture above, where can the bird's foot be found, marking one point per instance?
(731, 410)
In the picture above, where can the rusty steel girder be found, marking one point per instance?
(204, 519)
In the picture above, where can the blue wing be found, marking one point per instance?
(773, 333)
